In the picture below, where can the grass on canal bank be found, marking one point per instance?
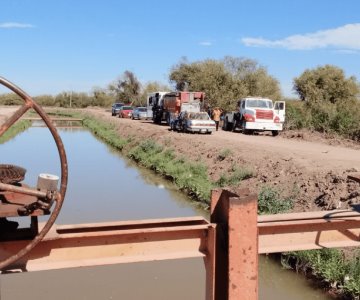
(189, 177)
(14, 130)
(330, 266)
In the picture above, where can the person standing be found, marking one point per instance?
(216, 113)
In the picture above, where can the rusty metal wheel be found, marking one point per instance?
(59, 197)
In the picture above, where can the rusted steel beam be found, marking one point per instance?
(312, 230)
(16, 116)
(210, 266)
(237, 247)
(243, 248)
(117, 242)
(22, 190)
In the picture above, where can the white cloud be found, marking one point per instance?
(11, 25)
(346, 37)
(347, 51)
(206, 43)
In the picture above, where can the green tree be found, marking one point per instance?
(209, 76)
(127, 88)
(102, 98)
(325, 84)
(330, 102)
(150, 87)
(225, 81)
(45, 100)
(10, 99)
(253, 77)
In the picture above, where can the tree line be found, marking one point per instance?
(329, 99)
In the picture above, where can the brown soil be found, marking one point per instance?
(307, 166)
(310, 167)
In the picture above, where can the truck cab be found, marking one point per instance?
(154, 99)
(256, 114)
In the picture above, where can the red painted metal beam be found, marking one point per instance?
(237, 245)
(229, 244)
(311, 230)
(118, 242)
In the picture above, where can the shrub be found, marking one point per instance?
(237, 175)
(270, 202)
(330, 265)
(296, 115)
(224, 153)
(189, 177)
(342, 117)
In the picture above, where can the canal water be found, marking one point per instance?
(103, 186)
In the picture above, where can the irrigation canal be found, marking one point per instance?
(104, 186)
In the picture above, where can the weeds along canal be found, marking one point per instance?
(104, 186)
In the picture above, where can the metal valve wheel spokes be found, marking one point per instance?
(30, 103)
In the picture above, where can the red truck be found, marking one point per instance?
(171, 104)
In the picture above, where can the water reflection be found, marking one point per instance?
(277, 283)
(102, 186)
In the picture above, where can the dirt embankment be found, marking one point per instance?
(304, 165)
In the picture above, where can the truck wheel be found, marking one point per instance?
(248, 131)
(226, 125)
(243, 130)
(275, 132)
(234, 126)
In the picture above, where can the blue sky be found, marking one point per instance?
(49, 46)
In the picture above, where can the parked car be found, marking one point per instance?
(193, 122)
(115, 108)
(125, 111)
(139, 113)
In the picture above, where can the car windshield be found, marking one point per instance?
(142, 109)
(258, 103)
(127, 108)
(199, 116)
(118, 104)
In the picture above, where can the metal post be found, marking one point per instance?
(237, 246)
(243, 248)
(209, 260)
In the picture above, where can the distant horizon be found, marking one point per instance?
(294, 97)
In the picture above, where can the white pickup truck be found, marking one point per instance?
(256, 114)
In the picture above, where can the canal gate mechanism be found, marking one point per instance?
(229, 243)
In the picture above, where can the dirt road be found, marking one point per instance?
(314, 156)
(306, 168)
(313, 172)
